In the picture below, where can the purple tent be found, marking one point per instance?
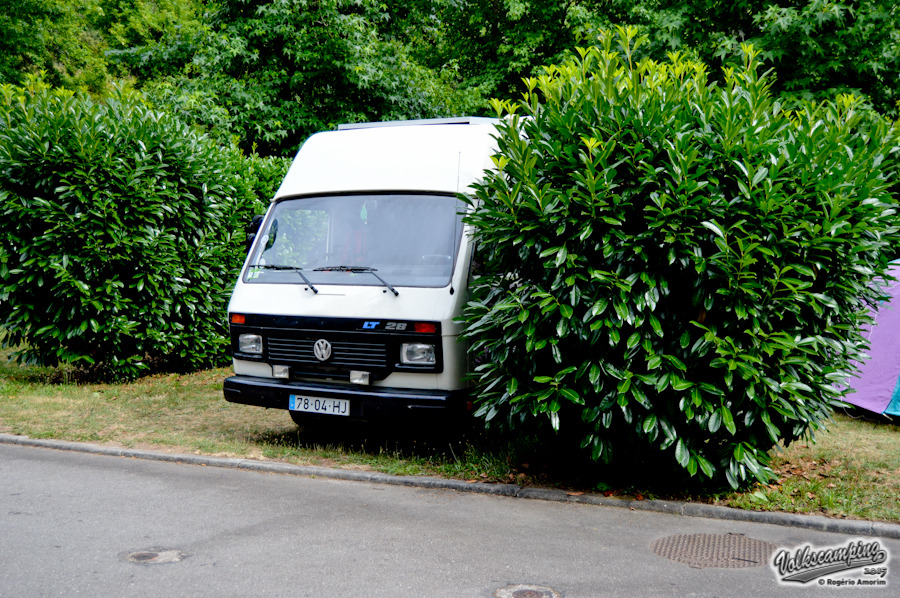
(877, 387)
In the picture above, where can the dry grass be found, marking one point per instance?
(852, 471)
(188, 414)
(176, 412)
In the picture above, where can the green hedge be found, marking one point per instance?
(122, 232)
(673, 268)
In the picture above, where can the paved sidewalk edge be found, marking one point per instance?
(814, 522)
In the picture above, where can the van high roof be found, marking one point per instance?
(443, 155)
(458, 120)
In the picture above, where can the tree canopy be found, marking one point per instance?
(267, 73)
(272, 72)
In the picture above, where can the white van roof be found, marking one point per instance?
(437, 155)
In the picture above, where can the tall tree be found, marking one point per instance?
(818, 48)
(52, 36)
(71, 40)
(495, 43)
(274, 71)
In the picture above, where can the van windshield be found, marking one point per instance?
(408, 240)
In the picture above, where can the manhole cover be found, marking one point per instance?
(525, 591)
(155, 557)
(714, 550)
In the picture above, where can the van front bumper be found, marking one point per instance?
(366, 402)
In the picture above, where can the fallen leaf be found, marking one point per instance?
(574, 493)
(639, 496)
(471, 481)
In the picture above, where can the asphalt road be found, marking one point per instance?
(72, 524)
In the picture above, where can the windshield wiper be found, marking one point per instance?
(293, 268)
(357, 269)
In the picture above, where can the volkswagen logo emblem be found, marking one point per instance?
(322, 350)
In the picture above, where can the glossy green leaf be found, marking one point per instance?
(682, 454)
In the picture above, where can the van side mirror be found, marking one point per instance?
(252, 229)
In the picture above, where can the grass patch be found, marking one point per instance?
(852, 471)
(186, 413)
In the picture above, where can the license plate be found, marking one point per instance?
(318, 405)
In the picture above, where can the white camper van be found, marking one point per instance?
(345, 305)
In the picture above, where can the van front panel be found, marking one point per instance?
(330, 348)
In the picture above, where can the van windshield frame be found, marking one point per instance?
(405, 239)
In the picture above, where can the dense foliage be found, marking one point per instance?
(270, 72)
(675, 265)
(72, 41)
(122, 231)
(818, 48)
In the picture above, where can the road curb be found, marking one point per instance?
(813, 522)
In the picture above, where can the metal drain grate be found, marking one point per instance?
(714, 550)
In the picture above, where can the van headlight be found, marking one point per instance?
(417, 354)
(250, 343)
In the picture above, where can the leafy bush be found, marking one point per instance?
(122, 232)
(672, 265)
(262, 177)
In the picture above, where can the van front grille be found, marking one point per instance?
(344, 354)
